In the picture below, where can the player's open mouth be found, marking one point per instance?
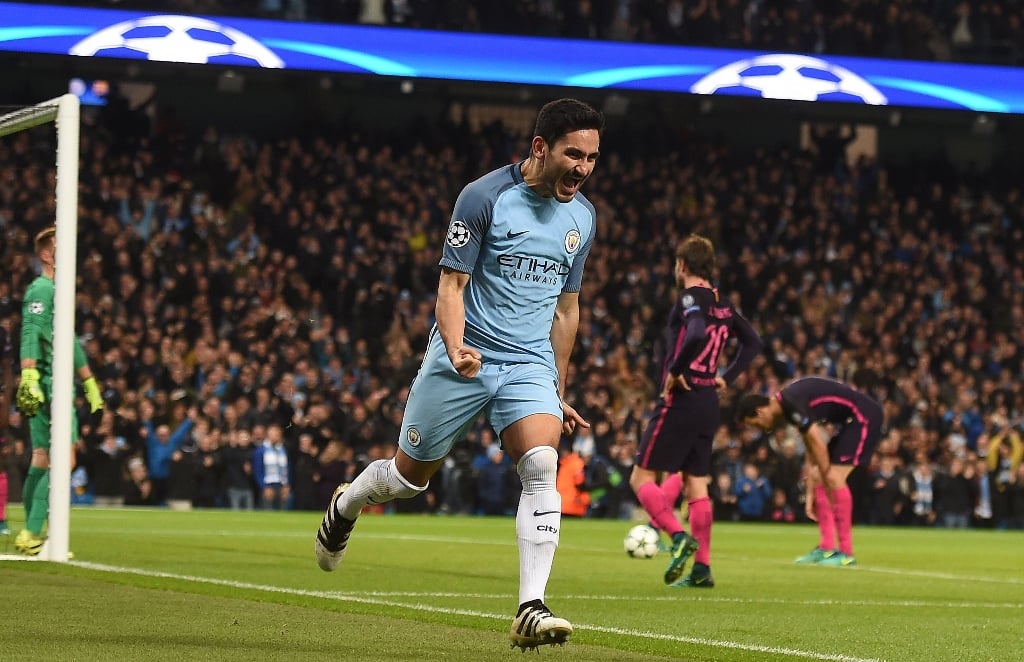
(571, 184)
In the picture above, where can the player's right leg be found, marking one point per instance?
(440, 408)
(670, 442)
(36, 491)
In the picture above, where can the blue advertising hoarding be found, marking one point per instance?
(506, 59)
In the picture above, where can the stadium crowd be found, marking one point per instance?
(975, 31)
(255, 310)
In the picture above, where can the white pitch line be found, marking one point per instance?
(927, 574)
(697, 598)
(344, 597)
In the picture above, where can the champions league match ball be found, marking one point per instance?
(641, 542)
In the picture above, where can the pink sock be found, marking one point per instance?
(700, 526)
(3, 496)
(843, 507)
(671, 488)
(826, 519)
(661, 513)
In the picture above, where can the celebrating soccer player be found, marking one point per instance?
(680, 434)
(811, 403)
(507, 313)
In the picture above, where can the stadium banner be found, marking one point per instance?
(405, 53)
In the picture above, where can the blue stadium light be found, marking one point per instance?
(474, 57)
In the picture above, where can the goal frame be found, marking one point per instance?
(65, 112)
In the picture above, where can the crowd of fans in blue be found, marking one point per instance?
(255, 309)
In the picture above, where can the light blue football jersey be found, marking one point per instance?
(521, 251)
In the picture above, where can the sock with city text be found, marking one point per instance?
(538, 521)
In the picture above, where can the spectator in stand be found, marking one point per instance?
(753, 494)
(105, 464)
(780, 510)
(954, 495)
(181, 476)
(302, 469)
(922, 490)
(983, 513)
(887, 498)
(496, 484)
(161, 445)
(723, 495)
(334, 466)
(209, 469)
(138, 489)
(270, 470)
(238, 478)
(571, 481)
(1015, 518)
(1005, 452)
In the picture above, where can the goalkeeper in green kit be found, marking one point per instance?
(36, 388)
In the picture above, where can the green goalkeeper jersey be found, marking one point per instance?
(37, 330)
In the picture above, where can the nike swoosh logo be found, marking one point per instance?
(513, 235)
(538, 513)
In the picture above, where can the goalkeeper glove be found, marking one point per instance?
(92, 394)
(29, 396)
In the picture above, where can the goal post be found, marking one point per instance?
(64, 111)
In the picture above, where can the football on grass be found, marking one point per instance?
(641, 542)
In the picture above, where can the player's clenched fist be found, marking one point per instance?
(30, 397)
(467, 361)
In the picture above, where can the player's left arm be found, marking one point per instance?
(817, 447)
(810, 483)
(750, 346)
(563, 335)
(89, 384)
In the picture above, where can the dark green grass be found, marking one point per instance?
(216, 585)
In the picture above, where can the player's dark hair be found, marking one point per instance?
(748, 405)
(699, 255)
(45, 238)
(563, 116)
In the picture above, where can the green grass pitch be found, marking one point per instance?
(221, 585)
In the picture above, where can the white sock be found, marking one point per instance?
(379, 482)
(537, 521)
